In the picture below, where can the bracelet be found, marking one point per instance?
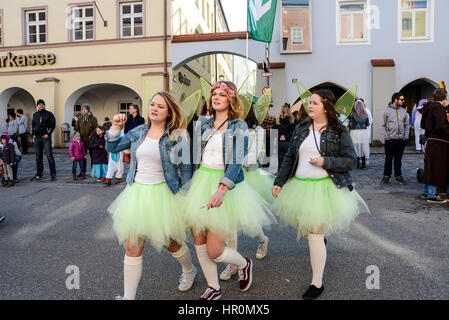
(223, 187)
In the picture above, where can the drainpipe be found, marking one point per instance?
(166, 74)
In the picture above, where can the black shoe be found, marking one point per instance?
(53, 177)
(437, 199)
(424, 196)
(400, 180)
(325, 241)
(385, 180)
(313, 292)
(36, 178)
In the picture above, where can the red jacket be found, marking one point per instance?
(77, 150)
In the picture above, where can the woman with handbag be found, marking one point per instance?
(317, 195)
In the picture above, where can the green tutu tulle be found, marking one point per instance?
(148, 211)
(243, 209)
(261, 181)
(313, 204)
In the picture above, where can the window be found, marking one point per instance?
(124, 107)
(76, 109)
(131, 20)
(296, 26)
(82, 23)
(36, 27)
(416, 20)
(352, 22)
(1, 28)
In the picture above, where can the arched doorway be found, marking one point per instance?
(105, 99)
(416, 90)
(13, 99)
(336, 89)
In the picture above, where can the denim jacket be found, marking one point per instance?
(134, 138)
(235, 145)
(338, 153)
(356, 123)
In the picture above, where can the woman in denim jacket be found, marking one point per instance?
(320, 197)
(358, 124)
(215, 211)
(149, 208)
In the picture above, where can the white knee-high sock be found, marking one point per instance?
(208, 266)
(231, 256)
(133, 272)
(184, 258)
(233, 242)
(317, 250)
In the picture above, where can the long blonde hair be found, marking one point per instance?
(283, 115)
(176, 118)
(235, 104)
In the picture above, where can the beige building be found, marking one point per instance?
(67, 53)
(194, 17)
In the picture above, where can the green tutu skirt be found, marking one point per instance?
(313, 204)
(243, 209)
(148, 211)
(261, 181)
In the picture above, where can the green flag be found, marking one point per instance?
(261, 14)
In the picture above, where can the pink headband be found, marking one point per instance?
(224, 87)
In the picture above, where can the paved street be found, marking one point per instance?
(52, 225)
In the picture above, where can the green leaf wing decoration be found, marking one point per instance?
(261, 107)
(345, 104)
(205, 87)
(190, 104)
(246, 92)
(148, 93)
(305, 95)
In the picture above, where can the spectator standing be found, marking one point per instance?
(416, 121)
(22, 121)
(77, 153)
(134, 118)
(43, 125)
(395, 130)
(18, 156)
(436, 160)
(86, 126)
(285, 124)
(99, 155)
(358, 124)
(13, 126)
(7, 157)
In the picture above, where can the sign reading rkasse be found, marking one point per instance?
(13, 61)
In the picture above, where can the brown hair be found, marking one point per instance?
(328, 99)
(439, 95)
(235, 104)
(176, 118)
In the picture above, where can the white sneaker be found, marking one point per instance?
(263, 248)
(120, 298)
(186, 280)
(228, 272)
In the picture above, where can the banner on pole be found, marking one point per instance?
(261, 14)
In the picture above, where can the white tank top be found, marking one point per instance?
(149, 165)
(213, 153)
(308, 150)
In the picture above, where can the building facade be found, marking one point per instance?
(70, 53)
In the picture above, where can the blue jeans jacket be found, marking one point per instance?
(337, 151)
(170, 151)
(235, 145)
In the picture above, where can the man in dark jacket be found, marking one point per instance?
(436, 160)
(8, 156)
(86, 126)
(134, 118)
(43, 125)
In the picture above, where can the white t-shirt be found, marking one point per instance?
(308, 150)
(149, 165)
(213, 153)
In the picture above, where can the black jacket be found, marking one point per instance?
(43, 123)
(132, 122)
(285, 128)
(99, 154)
(7, 154)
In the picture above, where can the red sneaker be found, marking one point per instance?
(246, 275)
(101, 180)
(211, 294)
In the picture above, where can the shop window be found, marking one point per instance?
(124, 107)
(296, 26)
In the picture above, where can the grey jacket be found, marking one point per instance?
(23, 124)
(13, 127)
(395, 123)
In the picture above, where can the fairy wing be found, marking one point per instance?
(190, 104)
(148, 93)
(304, 94)
(246, 92)
(262, 106)
(205, 87)
(345, 104)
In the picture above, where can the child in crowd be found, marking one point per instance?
(99, 155)
(77, 153)
(7, 157)
(13, 140)
(115, 167)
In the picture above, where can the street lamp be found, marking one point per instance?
(221, 77)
